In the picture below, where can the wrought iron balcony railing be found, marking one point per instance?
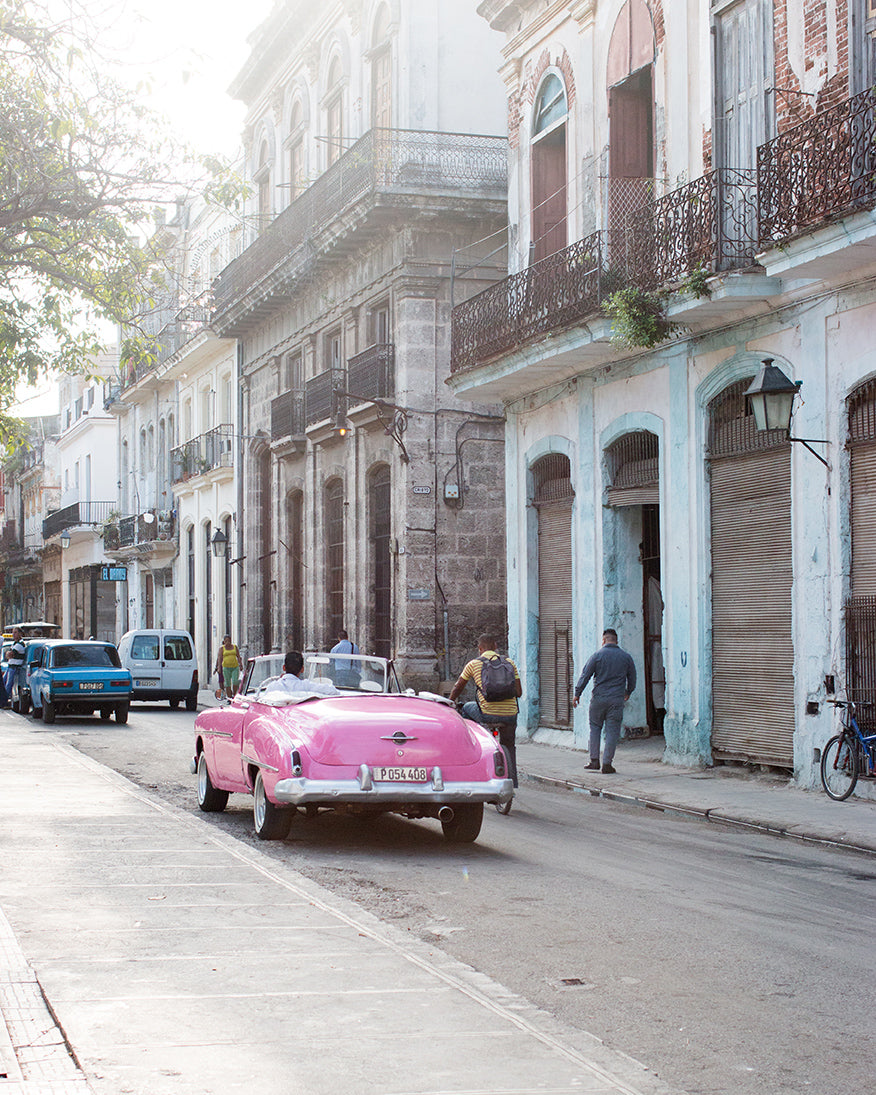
(819, 171)
(214, 449)
(322, 398)
(371, 374)
(383, 161)
(78, 513)
(139, 529)
(287, 415)
(561, 289)
(708, 225)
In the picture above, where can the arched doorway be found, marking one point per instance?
(379, 528)
(334, 559)
(633, 470)
(548, 150)
(752, 639)
(552, 498)
(860, 607)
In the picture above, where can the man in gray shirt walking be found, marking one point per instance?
(614, 679)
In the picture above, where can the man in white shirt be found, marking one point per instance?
(292, 681)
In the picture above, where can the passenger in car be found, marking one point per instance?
(291, 680)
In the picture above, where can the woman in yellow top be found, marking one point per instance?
(228, 668)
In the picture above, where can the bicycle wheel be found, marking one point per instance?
(839, 767)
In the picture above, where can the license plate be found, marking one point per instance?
(145, 684)
(91, 686)
(400, 775)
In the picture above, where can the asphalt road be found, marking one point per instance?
(731, 963)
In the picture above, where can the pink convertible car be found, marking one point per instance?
(367, 750)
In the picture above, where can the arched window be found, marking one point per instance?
(334, 112)
(549, 168)
(381, 72)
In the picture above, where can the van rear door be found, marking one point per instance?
(179, 662)
(145, 661)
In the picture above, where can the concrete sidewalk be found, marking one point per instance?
(727, 794)
(145, 950)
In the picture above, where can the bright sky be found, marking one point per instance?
(190, 51)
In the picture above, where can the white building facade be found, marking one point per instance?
(708, 167)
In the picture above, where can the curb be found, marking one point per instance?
(703, 814)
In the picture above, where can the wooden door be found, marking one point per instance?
(549, 194)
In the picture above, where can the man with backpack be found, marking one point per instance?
(497, 685)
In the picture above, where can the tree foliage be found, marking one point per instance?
(83, 164)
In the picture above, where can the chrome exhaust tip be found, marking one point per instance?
(445, 813)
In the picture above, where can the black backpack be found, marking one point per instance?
(498, 679)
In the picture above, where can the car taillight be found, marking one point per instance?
(64, 684)
(118, 684)
(499, 764)
(296, 763)
(195, 681)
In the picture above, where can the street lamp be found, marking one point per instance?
(220, 544)
(65, 540)
(771, 397)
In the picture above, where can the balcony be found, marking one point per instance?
(140, 529)
(214, 449)
(168, 341)
(382, 166)
(79, 513)
(322, 398)
(707, 226)
(561, 289)
(818, 171)
(371, 374)
(287, 416)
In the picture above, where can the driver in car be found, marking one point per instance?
(291, 680)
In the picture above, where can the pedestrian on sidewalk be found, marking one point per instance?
(614, 680)
(14, 659)
(501, 713)
(228, 668)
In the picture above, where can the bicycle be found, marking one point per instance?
(848, 756)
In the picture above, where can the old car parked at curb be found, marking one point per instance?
(78, 677)
(370, 749)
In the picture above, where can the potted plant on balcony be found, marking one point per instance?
(638, 317)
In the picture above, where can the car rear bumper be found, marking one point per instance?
(299, 791)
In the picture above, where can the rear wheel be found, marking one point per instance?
(210, 800)
(466, 823)
(174, 704)
(271, 822)
(48, 711)
(106, 713)
(23, 702)
(839, 767)
(191, 703)
(122, 711)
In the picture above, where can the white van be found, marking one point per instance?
(163, 665)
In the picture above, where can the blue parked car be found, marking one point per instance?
(77, 677)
